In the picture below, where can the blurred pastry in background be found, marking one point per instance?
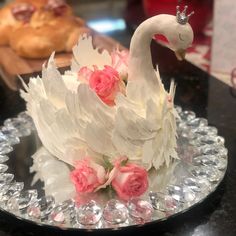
(36, 28)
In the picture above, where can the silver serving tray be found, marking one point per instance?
(173, 190)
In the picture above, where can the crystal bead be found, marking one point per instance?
(6, 178)
(193, 184)
(24, 132)
(208, 130)
(188, 133)
(221, 164)
(197, 122)
(16, 186)
(89, 214)
(67, 205)
(222, 152)
(46, 205)
(13, 140)
(24, 115)
(178, 109)
(153, 196)
(9, 138)
(140, 209)
(181, 193)
(3, 189)
(213, 175)
(208, 160)
(19, 124)
(176, 193)
(8, 122)
(3, 168)
(205, 184)
(211, 160)
(22, 200)
(3, 143)
(28, 120)
(213, 150)
(9, 131)
(11, 189)
(5, 149)
(58, 217)
(210, 140)
(183, 126)
(61, 213)
(187, 115)
(14, 122)
(189, 195)
(2, 137)
(197, 160)
(115, 212)
(163, 202)
(200, 172)
(3, 158)
(33, 211)
(209, 150)
(41, 208)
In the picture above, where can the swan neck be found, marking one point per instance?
(140, 52)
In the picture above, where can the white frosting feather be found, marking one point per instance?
(86, 55)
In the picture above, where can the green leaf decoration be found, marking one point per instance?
(107, 164)
(124, 162)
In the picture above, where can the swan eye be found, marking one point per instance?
(181, 37)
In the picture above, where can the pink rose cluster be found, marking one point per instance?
(128, 180)
(107, 82)
(87, 176)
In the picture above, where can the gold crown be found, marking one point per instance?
(181, 17)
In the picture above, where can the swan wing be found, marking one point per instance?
(132, 129)
(60, 123)
(146, 131)
(94, 117)
(86, 55)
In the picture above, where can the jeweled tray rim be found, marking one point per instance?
(186, 117)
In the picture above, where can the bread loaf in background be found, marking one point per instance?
(36, 28)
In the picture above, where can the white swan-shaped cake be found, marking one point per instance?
(72, 121)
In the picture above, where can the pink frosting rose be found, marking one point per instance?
(130, 181)
(87, 176)
(106, 83)
(120, 61)
(84, 74)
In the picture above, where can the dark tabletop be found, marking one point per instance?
(197, 91)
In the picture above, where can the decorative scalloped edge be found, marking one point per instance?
(189, 127)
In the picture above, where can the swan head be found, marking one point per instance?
(180, 37)
(182, 33)
(184, 39)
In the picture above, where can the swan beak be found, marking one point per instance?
(180, 54)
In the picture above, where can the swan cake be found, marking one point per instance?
(108, 120)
